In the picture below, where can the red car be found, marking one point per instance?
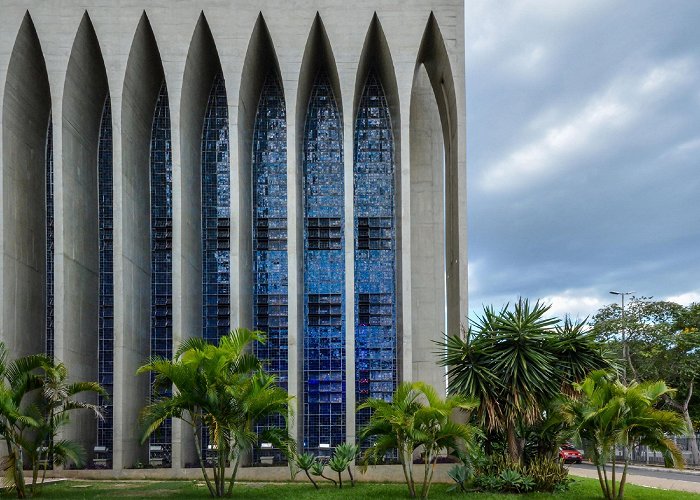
(569, 455)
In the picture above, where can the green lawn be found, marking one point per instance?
(581, 489)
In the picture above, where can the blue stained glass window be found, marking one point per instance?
(375, 250)
(270, 240)
(216, 216)
(216, 223)
(161, 256)
(49, 241)
(324, 272)
(105, 348)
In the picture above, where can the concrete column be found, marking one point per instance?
(349, 193)
(76, 221)
(132, 251)
(25, 117)
(427, 231)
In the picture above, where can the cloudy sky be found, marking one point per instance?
(583, 151)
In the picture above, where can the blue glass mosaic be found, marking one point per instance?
(216, 217)
(269, 165)
(216, 222)
(324, 272)
(105, 347)
(375, 250)
(161, 256)
(49, 241)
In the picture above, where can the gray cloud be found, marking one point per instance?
(584, 139)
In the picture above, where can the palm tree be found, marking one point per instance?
(35, 401)
(415, 417)
(608, 414)
(223, 388)
(515, 362)
(53, 412)
(18, 379)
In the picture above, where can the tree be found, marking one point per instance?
(35, 402)
(515, 362)
(223, 388)
(664, 344)
(415, 417)
(608, 414)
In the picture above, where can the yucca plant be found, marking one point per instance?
(515, 361)
(317, 469)
(349, 452)
(338, 464)
(306, 462)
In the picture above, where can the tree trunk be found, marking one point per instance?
(198, 447)
(621, 491)
(402, 459)
(513, 445)
(614, 463)
(692, 440)
(683, 408)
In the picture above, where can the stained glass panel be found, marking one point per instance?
(324, 272)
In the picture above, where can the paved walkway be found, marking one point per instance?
(653, 477)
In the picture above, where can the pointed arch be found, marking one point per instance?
(144, 85)
(263, 160)
(78, 260)
(320, 131)
(434, 188)
(25, 136)
(206, 181)
(260, 67)
(205, 200)
(376, 197)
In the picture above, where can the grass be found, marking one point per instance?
(581, 489)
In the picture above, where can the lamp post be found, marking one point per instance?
(625, 349)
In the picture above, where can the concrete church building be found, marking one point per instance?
(173, 169)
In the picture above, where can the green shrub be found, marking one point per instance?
(499, 473)
(460, 474)
(549, 474)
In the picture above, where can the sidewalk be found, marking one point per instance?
(652, 477)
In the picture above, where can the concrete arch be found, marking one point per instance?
(318, 55)
(201, 68)
(260, 60)
(77, 257)
(25, 119)
(142, 81)
(434, 181)
(376, 57)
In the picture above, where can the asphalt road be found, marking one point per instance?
(653, 477)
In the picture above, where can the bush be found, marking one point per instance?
(499, 473)
(549, 474)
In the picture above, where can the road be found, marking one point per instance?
(654, 477)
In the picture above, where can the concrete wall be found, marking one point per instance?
(26, 108)
(201, 67)
(76, 232)
(420, 58)
(427, 230)
(144, 75)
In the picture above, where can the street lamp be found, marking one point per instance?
(625, 351)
